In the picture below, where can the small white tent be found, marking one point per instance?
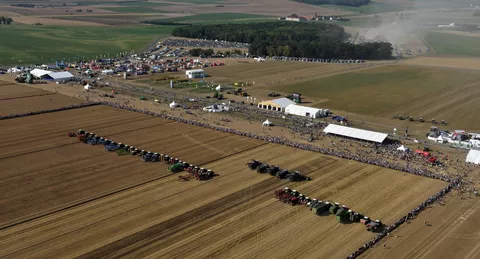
(173, 104)
(473, 157)
(267, 123)
(87, 87)
(403, 148)
(218, 88)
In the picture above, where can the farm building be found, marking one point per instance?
(473, 157)
(294, 18)
(349, 132)
(60, 76)
(39, 73)
(305, 111)
(279, 104)
(195, 73)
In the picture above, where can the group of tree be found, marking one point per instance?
(5, 20)
(336, 2)
(291, 39)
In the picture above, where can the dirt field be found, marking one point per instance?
(449, 62)
(10, 91)
(34, 103)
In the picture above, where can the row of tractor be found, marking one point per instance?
(263, 168)
(343, 213)
(175, 165)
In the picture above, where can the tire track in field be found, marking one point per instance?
(28, 96)
(216, 150)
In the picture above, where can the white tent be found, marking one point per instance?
(39, 72)
(403, 148)
(87, 87)
(173, 104)
(267, 123)
(218, 88)
(303, 111)
(473, 157)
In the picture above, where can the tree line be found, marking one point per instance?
(291, 39)
(5, 20)
(355, 3)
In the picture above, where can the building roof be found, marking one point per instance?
(60, 75)
(299, 109)
(282, 102)
(473, 156)
(196, 70)
(39, 72)
(356, 133)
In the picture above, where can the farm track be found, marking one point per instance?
(77, 200)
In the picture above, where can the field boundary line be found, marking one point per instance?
(28, 96)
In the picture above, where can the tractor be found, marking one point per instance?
(422, 120)
(282, 174)
(273, 94)
(401, 117)
(297, 177)
(253, 164)
(334, 208)
(143, 98)
(262, 168)
(147, 157)
(365, 220)
(410, 118)
(155, 157)
(111, 147)
(166, 159)
(286, 197)
(342, 214)
(142, 153)
(272, 170)
(434, 121)
(204, 174)
(374, 225)
(444, 123)
(122, 152)
(354, 216)
(175, 168)
(321, 207)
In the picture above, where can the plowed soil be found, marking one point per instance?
(66, 199)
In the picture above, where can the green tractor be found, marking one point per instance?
(175, 168)
(321, 207)
(342, 214)
(334, 208)
(143, 98)
(354, 216)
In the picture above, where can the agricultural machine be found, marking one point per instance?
(155, 157)
(262, 168)
(374, 225)
(272, 170)
(342, 214)
(113, 146)
(282, 174)
(287, 196)
(353, 216)
(297, 177)
(24, 78)
(273, 94)
(320, 207)
(147, 157)
(253, 164)
(365, 220)
(334, 208)
(175, 168)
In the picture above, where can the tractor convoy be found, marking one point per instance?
(342, 213)
(175, 165)
(263, 168)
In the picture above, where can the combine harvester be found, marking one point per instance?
(200, 174)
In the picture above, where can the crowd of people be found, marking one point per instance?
(204, 43)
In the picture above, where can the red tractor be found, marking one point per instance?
(286, 196)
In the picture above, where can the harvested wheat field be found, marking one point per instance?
(12, 91)
(35, 103)
(77, 200)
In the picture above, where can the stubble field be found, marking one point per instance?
(73, 199)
